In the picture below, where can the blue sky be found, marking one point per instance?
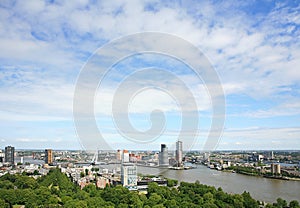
(254, 47)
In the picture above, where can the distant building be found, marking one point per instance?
(163, 155)
(142, 185)
(10, 155)
(206, 156)
(255, 157)
(179, 153)
(275, 169)
(48, 156)
(129, 175)
(102, 182)
(2, 156)
(133, 158)
(119, 155)
(125, 156)
(272, 155)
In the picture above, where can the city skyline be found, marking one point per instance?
(253, 47)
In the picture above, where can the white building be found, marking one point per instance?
(125, 156)
(129, 175)
(179, 153)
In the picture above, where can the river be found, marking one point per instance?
(263, 189)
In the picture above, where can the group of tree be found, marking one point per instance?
(57, 190)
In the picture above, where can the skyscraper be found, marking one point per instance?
(2, 156)
(179, 153)
(163, 155)
(125, 156)
(129, 175)
(272, 155)
(48, 156)
(119, 155)
(10, 155)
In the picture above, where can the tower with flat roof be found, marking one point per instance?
(179, 153)
(10, 155)
(48, 156)
(163, 155)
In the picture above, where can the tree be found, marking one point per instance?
(36, 172)
(249, 202)
(76, 203)
(209, 205)
(171, 203)
(94, 202)
(152, 187)
(238, 201)
(135, 201)
(81, 174)
(171, 182)
(4, 204)
(9, 196)
(294, 204)
(154, 199)
(24, 182)
(57, 179)
(6, 184)
(122, 205)
(280, 203)
(208, 198)
(91, 189)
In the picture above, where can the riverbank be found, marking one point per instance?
(261, 175)
(172, 168)
(282, 178)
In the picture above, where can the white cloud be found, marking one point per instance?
(288, 108)
(260, 138)
(45, 46)
(31, 140)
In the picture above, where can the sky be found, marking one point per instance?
(253, 46)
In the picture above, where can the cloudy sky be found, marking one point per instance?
(253, 46)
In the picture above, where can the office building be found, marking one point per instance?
(2, 156)
(179, 153)
(48, 156)
(119, 155)
(163, 155)
(10, 155)
(125, 156)
(206, 156)
(129, 175)
(272, 155)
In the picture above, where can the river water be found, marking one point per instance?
(263, 189)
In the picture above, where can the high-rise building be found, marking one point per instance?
(125, 156)
(10, 155)
(206, 156)
(48, 156)
(179, 153)
(163, 155)
(2, 156)
(129, 175)
(272, 155)
(119, 155)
